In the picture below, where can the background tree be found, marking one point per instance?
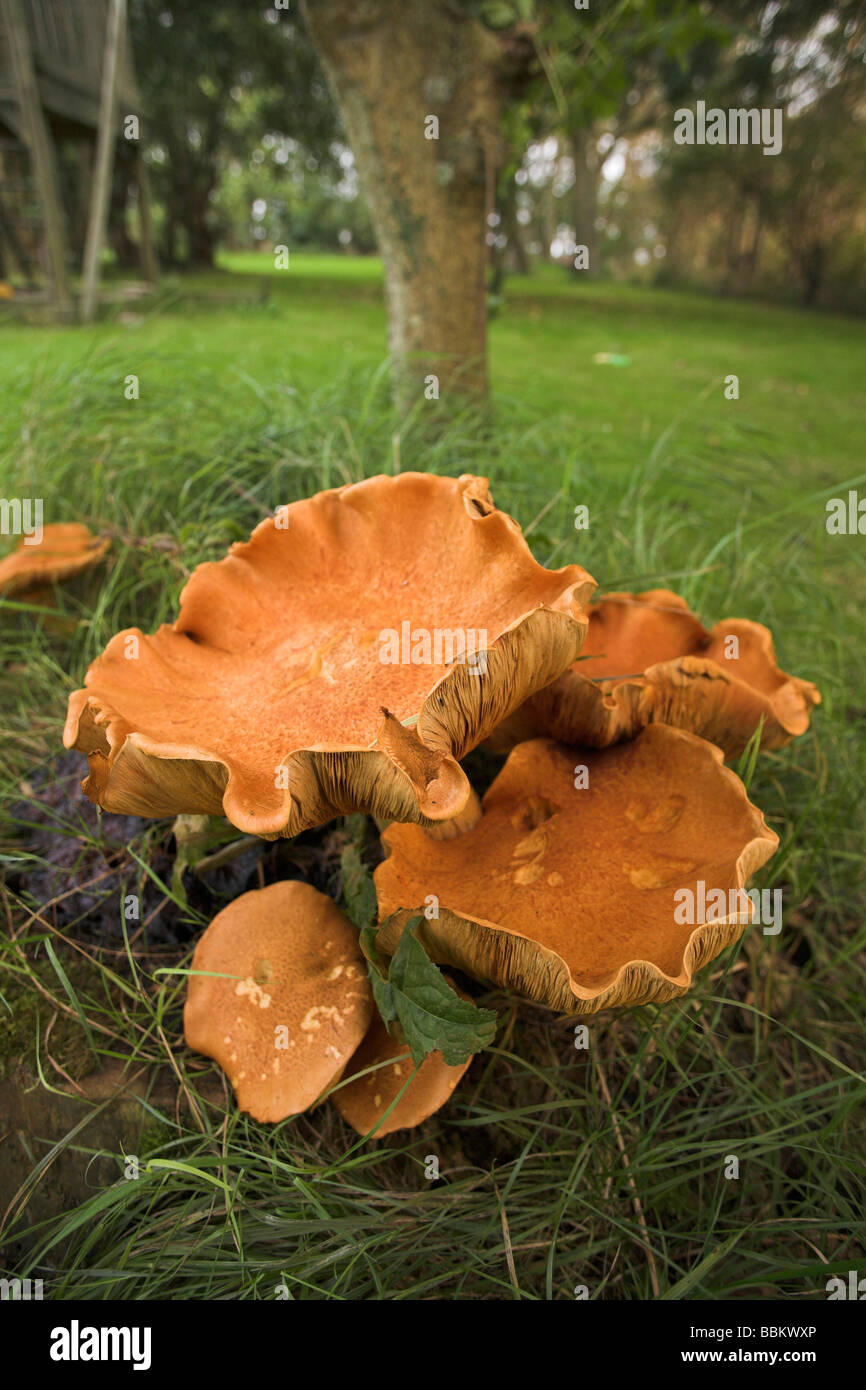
(421, 88)
(478, 80)
(745, 220)
(197, 62)
(554, 128)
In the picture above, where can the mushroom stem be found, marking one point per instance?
(224, 856)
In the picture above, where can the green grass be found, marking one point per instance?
(248, 404)
(801, 377)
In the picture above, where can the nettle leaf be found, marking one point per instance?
(377, 968)
(358, 888)
(416, 996)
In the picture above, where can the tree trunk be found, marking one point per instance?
(394, 65)
(752, 252)
(507, 252)
(812, 263)
(584, 198)
(516, 254)
(121, 243)
(201, 237)
(168, 249)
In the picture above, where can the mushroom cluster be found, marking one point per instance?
(346, 659)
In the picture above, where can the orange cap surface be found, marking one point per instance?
(282, 1000)
(568, 893)
(364, 1100)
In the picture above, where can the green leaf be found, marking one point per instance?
(431, 1016)
(377, 968)
(358, 888)
(368, 946)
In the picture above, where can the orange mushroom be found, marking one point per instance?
(281, 999)
(345, 657)
(363, 1100)
(594, 877)
(647, 659)
(65, 550)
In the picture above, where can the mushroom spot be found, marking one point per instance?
(659, 875)
(532, 812)
(528, 873)
(660, 817)
(254, 992)
(536, 843)
(311, 1019)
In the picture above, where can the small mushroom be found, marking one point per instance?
(281, 1000)
(594, 877)
(344, 658)
(647, 659)
(362, 1101)
(65, 550)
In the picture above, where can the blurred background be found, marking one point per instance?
(246, 149)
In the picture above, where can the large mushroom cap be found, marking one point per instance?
(278, 697)
(567, 893)
(283, 999)
(65, 550)
(647, 659)
(363, 1100)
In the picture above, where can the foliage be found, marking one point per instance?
(214, 77)
(245, 148)
(412, 994)
(789, 218)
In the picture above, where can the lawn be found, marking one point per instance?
(559, 1167)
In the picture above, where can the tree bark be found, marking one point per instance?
(393, 64)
